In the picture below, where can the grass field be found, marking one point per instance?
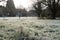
(14, 29)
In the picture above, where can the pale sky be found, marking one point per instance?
(19, 3)
(3, 3)
(22, 3)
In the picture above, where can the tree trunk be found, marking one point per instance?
(38, 15)
(54, 15)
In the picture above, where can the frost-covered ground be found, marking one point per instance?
(30, 28)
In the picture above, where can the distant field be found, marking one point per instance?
(28, 18)
(14, 29)
(18, 18)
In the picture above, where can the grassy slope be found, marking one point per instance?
(45, 29)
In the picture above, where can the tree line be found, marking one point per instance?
(42, 8)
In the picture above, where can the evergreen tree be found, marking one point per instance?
(10, 7)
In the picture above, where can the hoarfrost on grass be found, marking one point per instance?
(42, 29)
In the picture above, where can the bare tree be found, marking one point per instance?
(53, 6)
(37, 7)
